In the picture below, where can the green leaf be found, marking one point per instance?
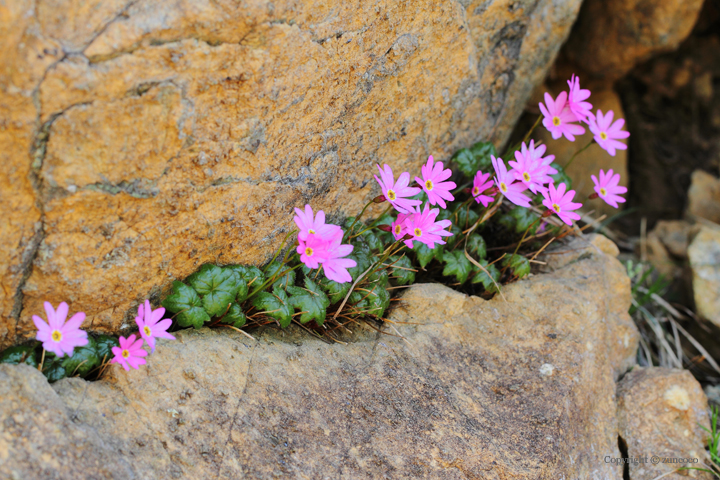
(424, 254)
(520, 219)
(235, 316)
(373, 240)
(242, 286)
(20, 354)
(363, 259)
(52, 368)
(83, 359)
(380, 277)
(104, 345)
(402, 270)
(283, 281)
(560, 176)
(476, 246)
(456, 263)
(336, 291)
(217, 286)
(276, 305)
(187, 304)
(253, 276)
(310, 300)
(371, 299)
(482, 151)
(518, 264)
(482, 277)
(466, 218)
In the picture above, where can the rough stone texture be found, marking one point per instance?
(477, 389)
(675, 235)
(612, 36)
(594, 158)
(142, 139)
(704, 196)
(660, 411)
(704, 254)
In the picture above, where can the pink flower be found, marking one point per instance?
(335, 265)
(60, 337)
(576, 98)
(606, 134)
(608, 189)
(129, 353)
(559, 119)
(396, 193)
(432, 182)
(506, 184)
(313, 226)
(531, 169)
(481, 183)
(423, 227)
(314, 250)
(398, 226)
(561, 203)
(151, 325)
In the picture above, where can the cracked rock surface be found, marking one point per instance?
(140, 140)
(477, 389)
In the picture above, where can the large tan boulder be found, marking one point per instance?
(704, 196)
(661, 415)
(704, 255)
(612, 36)
(523, 388)
(141, 140)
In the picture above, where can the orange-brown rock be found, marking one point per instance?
(141, 140)
(518, 387)
(612, 36)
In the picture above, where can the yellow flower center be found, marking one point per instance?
(556, 207)
(309, 251)
(603, 135)
(603, 192)
(147, 331)
(475, 191)
(311, 231)
(417, 232)
(125, 353)
(526, 176)
(429, 184)
(391, 195)
(56, 335)
(556, 121)
(398, 229)
(503, 187)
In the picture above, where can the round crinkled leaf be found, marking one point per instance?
(186, 303)
(217, 286)
(276, 305)
(104, 345)
(83, 359)
(285, 276)
(402, 271)
(457, 264)
(27, 354)
(235, 316)
(310, 300)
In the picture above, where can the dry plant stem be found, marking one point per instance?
(578, 153)
(350, 291)
(238, 330)
(541, 249)
(472, 260)
(520, 243)
(42, 360)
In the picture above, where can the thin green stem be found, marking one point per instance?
(527, 135)
(279, 250)
(361, 214)
(577, 153)
(272, 279)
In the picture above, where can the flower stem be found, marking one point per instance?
(577, 153)
(279, 250)
(42, 360)
(267, 282)
(527, 135)
(361, 214)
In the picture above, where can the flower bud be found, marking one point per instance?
(468, 190)
(379, 199)
(385, 228)
(547, 213)
(407, 236)
(593, 196)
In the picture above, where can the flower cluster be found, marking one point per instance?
(320, 245)
(151, 325)
(62, 337)
(413, 223)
